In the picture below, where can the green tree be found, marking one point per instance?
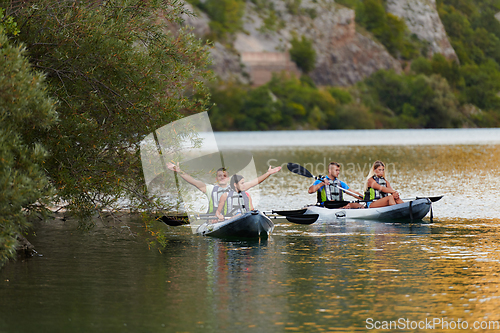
(8, 24)
(26, 114)
(353, 116)
(303, 53)
(482, 84)
(282, 103)
(421, 65)
(418, 100)
(227, 96)
(120, 69)
(225, 16)
(389, 29)
(341, 95)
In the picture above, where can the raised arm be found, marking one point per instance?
(260, 179)
(199, 184)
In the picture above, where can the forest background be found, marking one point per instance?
(77, 76)
(431, 91)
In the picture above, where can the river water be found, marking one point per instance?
(348, 276)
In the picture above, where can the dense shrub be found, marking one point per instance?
(302, 53)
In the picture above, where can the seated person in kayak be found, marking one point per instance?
(378, 190)
(236, 201)
(214, 192)
(330, 188)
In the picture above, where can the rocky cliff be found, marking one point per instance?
(344, 56)
(422, 19)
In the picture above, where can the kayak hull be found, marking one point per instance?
(252, 224)
(405, 212)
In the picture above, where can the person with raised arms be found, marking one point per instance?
(378, 190)
(236, 201)
(330, 188)
(221, 187)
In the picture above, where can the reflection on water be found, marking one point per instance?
(330, 277)
(305, 278)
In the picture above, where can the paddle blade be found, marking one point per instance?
(174, 221)
(290, 212)
(299, 169)
(434, 199)
(335, 204)
(303, 219)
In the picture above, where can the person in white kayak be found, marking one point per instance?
(221, 187)
(378, 190)
(330, 188)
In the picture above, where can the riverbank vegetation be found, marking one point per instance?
(27, 113)
(92, 81)
(430, 93)
(83, 82)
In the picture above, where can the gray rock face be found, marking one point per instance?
(343, 56)
(227, 65)
(423, 20)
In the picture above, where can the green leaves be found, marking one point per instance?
(390, 30)
(419, 100)
(26, 115)
(303, 53)
(120, 70)
(283, 103)
(226, 16)
(8, 23)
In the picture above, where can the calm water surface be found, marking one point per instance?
(329, 277)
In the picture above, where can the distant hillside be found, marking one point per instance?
(345, 51)
(450, 47)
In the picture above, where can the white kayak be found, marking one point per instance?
(413, 210)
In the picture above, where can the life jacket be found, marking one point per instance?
(214, 198)
(373, 194)
(237, 203)
(330, 192)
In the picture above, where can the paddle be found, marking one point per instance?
(303, 219)
(297, 216)
(335, 204)
(300, 170)
(432, 199)
(174, 221)
(290, 212)
(177, 220)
